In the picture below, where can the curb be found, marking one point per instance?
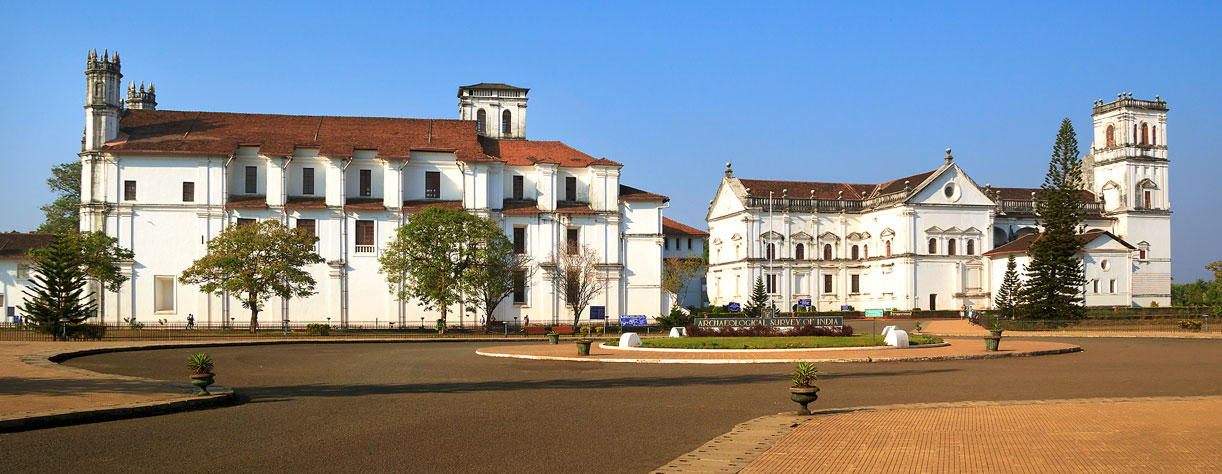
(221, 396)
(1087, 335)
(753, 351)
(786, 361)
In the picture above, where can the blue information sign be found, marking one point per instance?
(845, 307)
(734, 307)
(598, 312)
(633, 320)
(804, 303)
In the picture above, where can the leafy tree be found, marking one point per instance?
(254, 262)
(1007, 294)
(63, 215)
(577, 276)
(1216, 267)
(494, 275)
(430, 257)
(1053, 289)
(677, 274)
(56, 301)
(99, 255)
(759, 300)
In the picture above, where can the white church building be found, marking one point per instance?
(937, 239)
(164, 182)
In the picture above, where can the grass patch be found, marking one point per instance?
(921, 340)
(862, 340)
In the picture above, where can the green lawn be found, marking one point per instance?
(860, 340)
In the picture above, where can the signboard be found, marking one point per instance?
(598, 312)
(874, 313)
(804, 303)
(770, 322)
(633, 320)
(734, 307)
(768, 312)
(845, 307)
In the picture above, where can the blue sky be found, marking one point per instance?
(674, 90)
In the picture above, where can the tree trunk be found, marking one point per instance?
(576, 316)
(254, 314)
(444, 309)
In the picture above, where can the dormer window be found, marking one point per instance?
(252, 180)
(518, 185)
(570, 188)
(432, 185)
(366, 183)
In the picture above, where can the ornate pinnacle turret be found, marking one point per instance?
(729, 171)
(949, 158)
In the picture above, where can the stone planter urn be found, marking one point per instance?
(201, 382)
(992, 340)
(803, 396)
(583, 346)
(553, 338)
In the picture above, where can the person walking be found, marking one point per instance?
(190, 321)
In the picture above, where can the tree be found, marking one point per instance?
(496, 273)
(1007, 294)
(254, 262)
(1055, 277)
(576, 275)
(99, 255)
(430, 257)
(677, 274)
(56, 301)
(63, 215)
(759, 300)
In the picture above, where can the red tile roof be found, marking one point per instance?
(419, 205)
(364, 204)
(673, 227)
(629, 193)
(519, 208)
(802, 189)
(240, 201)
(528, 153)
(302, 202)
(1023, 244)
(19, 244)
(562, 208)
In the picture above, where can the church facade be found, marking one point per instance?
(937, 239)
(165, 182)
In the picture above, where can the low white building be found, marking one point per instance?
(164, 182)
(15, 271)
(1107, 261)
(918, 242)
(684, 241)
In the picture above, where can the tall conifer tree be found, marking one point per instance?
(1008, 293)
(1053, 289)
(56, 301)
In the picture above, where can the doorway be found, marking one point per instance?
(933, 302)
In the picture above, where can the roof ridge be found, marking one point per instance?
(142, 111)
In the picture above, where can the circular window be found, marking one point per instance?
(1104, 265)
(951, 191)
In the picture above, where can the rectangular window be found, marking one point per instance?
(252, 180)
(689, 244)
(771, 280)
(519, 240)
(572, 241)
(432, 185)
(129, 190)
(666, 243)
(1111, 286)
(366, 183)
(570, 188)
(245, 221)
(1095, 286)
(163, 294)
(310, 226)
(827, 283)
(517, 187)
(23, 271)
(364, 233)
(188, 191)
(519, 287)
(1148, 200)
(854, 283)
(307, 181)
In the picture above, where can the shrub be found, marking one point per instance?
(93, 332)
(318, 329)
(199, 363)
(919, 340)
(804, 374)
(916, 325)
(676, 318)
(1190, 325)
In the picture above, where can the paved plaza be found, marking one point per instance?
(439, 407)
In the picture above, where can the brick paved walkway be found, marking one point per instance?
(961, 327)
(958, 349)
(1090, 435)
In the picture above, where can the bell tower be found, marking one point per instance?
(103, 99)
(499, 110)
(1127, 167)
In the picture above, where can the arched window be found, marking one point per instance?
(933, 246)
(799, 252)
(865, 251)
(1154, 135)
(950, 247)
(856, 252)
(971, 246)
(1145, 134)
(97, 90)
(1134, 134)
(771, 251)
(1111, 136)
(827, 251)
(481, 121)
(888, 245)
(505, 123)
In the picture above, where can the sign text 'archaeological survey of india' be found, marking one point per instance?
(770, 322)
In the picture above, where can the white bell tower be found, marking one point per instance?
(1127, 168)
(103, 99)
(498, 109)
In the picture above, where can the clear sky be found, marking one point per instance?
(829, 91)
